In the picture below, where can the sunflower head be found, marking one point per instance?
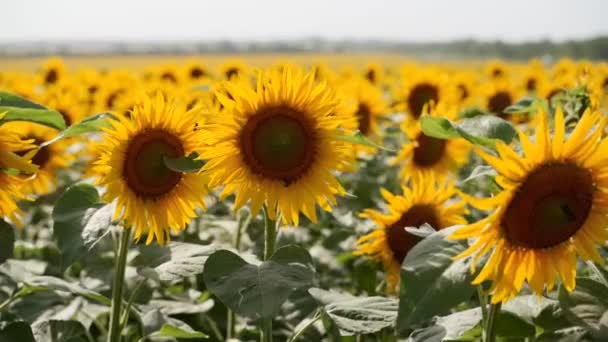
(498, 95)
(276, 144)
(425, 200)
(53, 70)
(424, 154)
(151, 197)
(552, 207)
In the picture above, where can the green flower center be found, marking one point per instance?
(278, 143)
(144, 168)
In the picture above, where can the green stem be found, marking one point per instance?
(270, 238)
(483, 305)
(127, 311)
(270, 235)
(242, 225)
(117, 287)
(491, 322)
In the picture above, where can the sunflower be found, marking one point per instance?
(422, 86)
(552, 207)
(500, 94)
(53, 70)
(196, 71)
(466, 84)
(277, 145)
(11, 165)
(496, 69)
(49, 159)
(533, 76)
(424, 154)
(426, 200)
(151, 197)
(233, 68)
(365, 102)
(374, 73)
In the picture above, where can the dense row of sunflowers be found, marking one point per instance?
(279, 140)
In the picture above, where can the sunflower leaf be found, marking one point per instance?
(58, 330)
(177, 332)
(73, 211)
(258, 291)
(524, 105)
(359, 138)
(189, 164)
(45, 117)
(587, 306)
(91, 124)
(480, 130)
(12, 100)
(357, 315)
(16, 331)
(431, 282)
(57, 284)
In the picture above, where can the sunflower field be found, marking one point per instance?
(296, 201)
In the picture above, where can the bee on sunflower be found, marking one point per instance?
(424, 154)
(277, 145)
(426, 200)
(552, 207)
(151, 197)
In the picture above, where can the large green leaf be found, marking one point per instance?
(480, 130)
(80, 220)
(450, 327)
(431, 282)
(258, 291)
(587, 306)
(16, 331)
(359, 138)
(54, 330)
(357, 315)
(17, 108)
(7, 241)
(174, 262)
(12, 100)
(57, 284)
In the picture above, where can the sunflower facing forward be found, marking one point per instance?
(151, 197)
(551, 209)
(425, 201)
(276, 145)
(424, 154)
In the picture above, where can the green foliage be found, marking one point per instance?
(480, 130)
(357, 315)
(19, 109)
(91, 124)
(7, 241)
(188, 164)
(258, 291)
(431, 282)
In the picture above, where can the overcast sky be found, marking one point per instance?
(405, 20)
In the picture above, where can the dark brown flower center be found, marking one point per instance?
(605, 84)
(197, 72)
(51, 76)
(42, 157)
(499, 102)
(419, 96)
(144, 169)
(549, 207)
(399, 240)
(279, 143)
(464, 91)
(231, 72)
(371, 75)
(497, 72)
(429, 150)
(168, 76)
(531, 84)
(364, 118)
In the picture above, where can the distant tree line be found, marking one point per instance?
(594, 49)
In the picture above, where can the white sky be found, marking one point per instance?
(422, 20)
